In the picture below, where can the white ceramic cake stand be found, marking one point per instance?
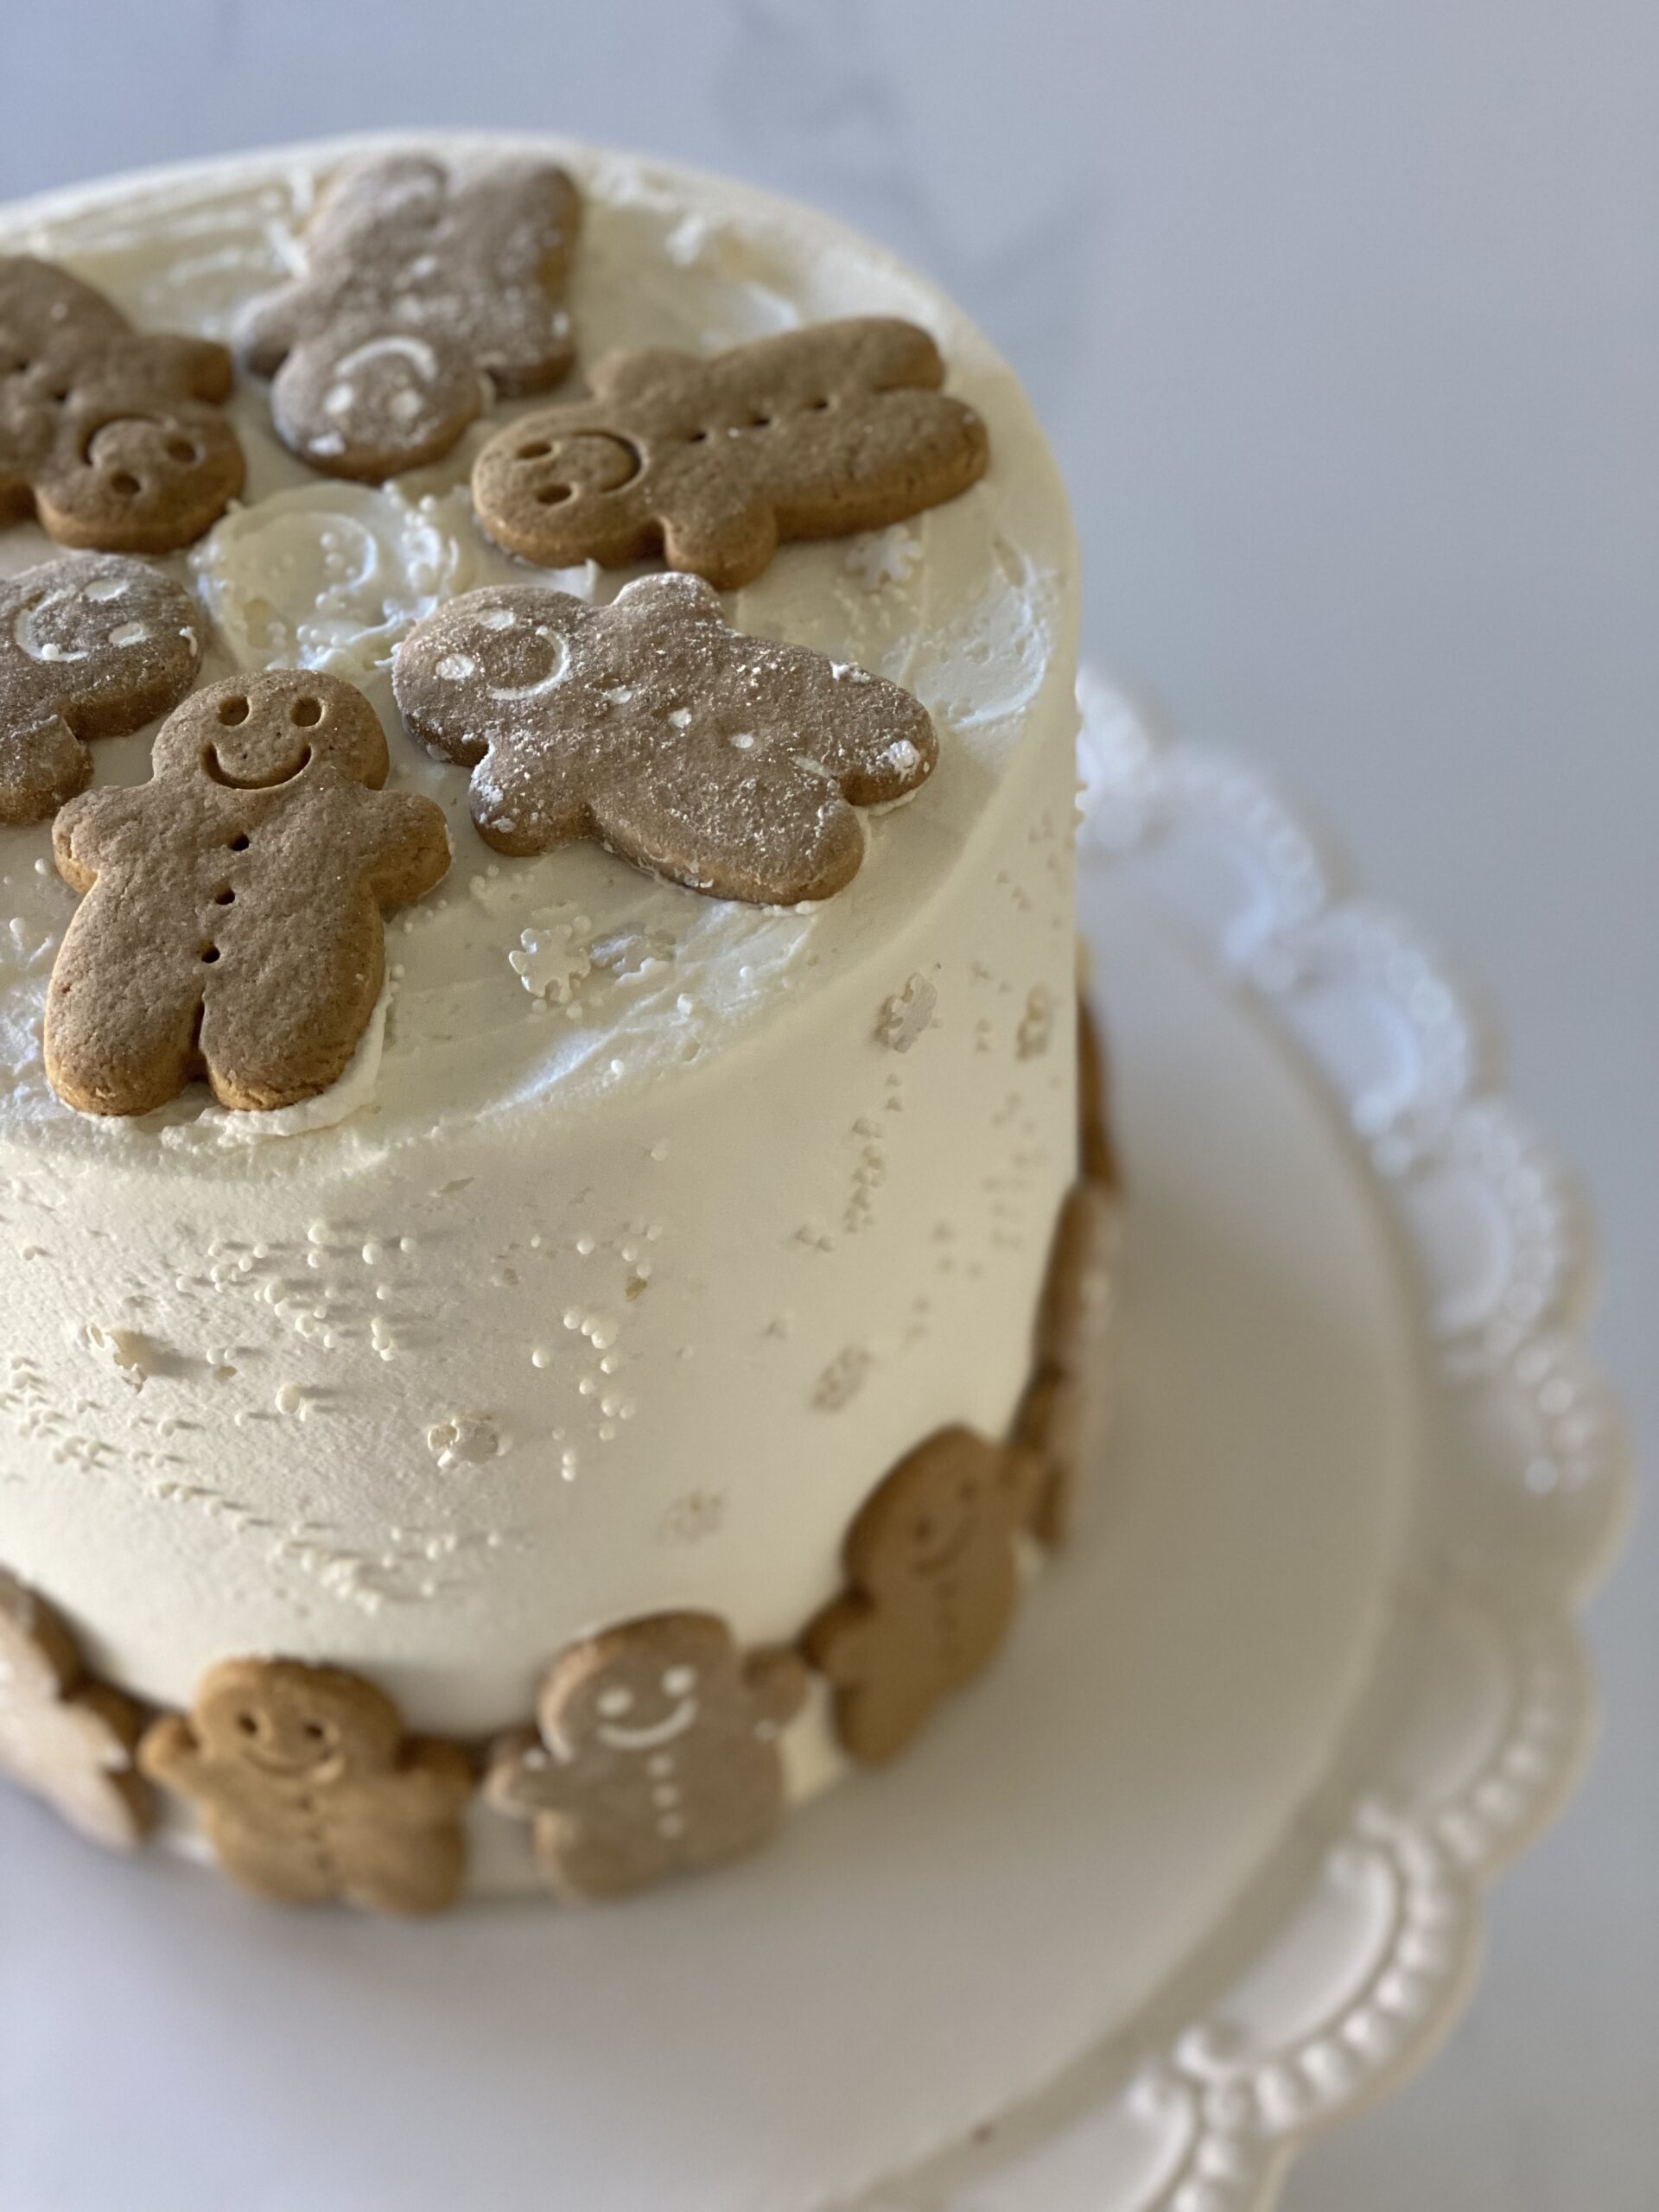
(1197, 1870)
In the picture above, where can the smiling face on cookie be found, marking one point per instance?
(953, 1495)
(637, 1688)
(483, 663)
(112, 435)
(108, 617)
(934, 1521)
(89, 647)
(292, 725)
(291, 1723)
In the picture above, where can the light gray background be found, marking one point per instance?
(1345, 319)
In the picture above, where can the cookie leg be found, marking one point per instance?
(728, 545)
(283, 1869)
(584, 1862)
(283, 1025)
(417, 1874)
(876, 1721)
(122, 1016)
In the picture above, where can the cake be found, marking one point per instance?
(650, 1263)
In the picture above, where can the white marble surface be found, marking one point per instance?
(1345, 322)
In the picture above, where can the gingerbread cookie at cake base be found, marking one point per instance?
(1072, 1372)
(731, 765)
(310, 1792)
(656, 1753)
(713, 462)
(65, 1739)
(1071, 1337)
(111, 436)
(933, 1579)
(231, 926)
(90, 647)
(420, 297)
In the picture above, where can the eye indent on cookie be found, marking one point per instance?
(421, 295)
(90, 647)
(714, 460)
(113, 436)
(729, 763)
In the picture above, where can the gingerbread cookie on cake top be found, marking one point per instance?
(112, 437)
(422, 297)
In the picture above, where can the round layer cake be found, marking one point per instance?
(647, 1232)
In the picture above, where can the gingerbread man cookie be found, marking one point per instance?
(91, 647)
(231, 927)
(66, 1739)
(656, 1753)
(813, 433)
(309, 1791)
(933, 1579)
(113, 436)
(1097, 1158)
(1073, 1327)
(726, 763)
(416, 289)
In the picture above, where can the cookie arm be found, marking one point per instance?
(169, 1754)
(404, 841)
(1020, 1483)
(197, 367)
(775, 1681)
(727, 539)
(875, 738)
(836, 1642)
(81, 834)
(523, 1779)
(268, 328)
(122, 1812)
(436, 1779)
(883, 351)
(41, 765)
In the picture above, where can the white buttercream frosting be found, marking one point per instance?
(697, 1215)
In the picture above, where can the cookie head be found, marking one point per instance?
(112, 435)
(291, 1723)
(947, 1497)
(369, 402)
(485, 665)
(261, 734)
(566, 482)
(89, 648)
(90, 614)
(142, 483)
(637, 1688)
